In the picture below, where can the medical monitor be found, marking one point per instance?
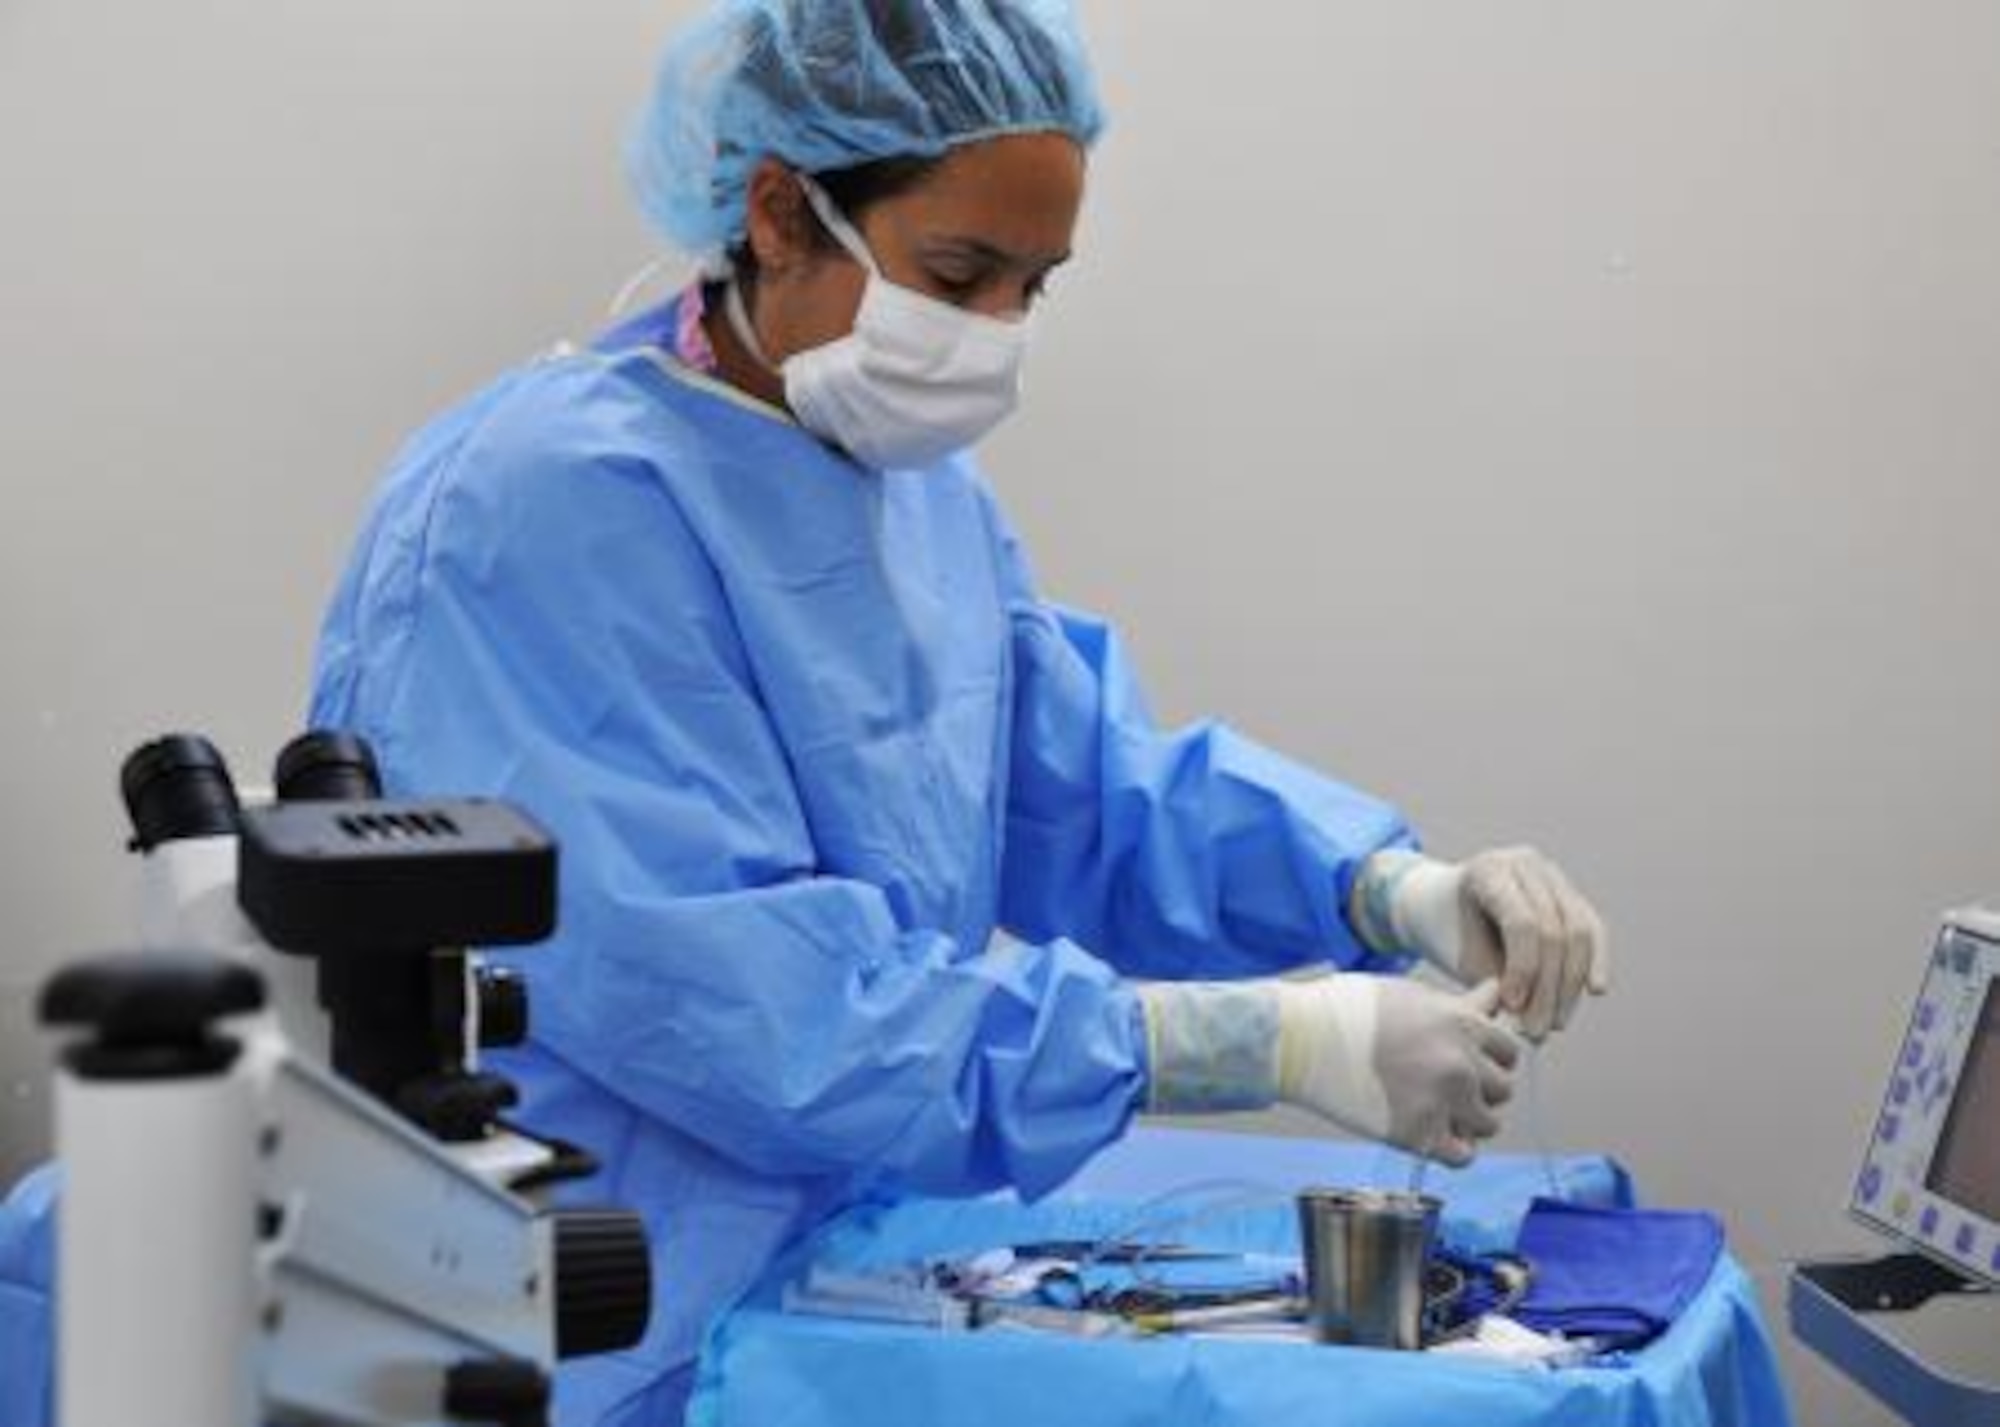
(1932, 1174)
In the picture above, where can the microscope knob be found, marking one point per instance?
(456, 1107)
(503, 1008)
(152, 1014)
(604, 1281)
(508, 1392)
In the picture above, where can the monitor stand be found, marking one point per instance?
(1834, 1306)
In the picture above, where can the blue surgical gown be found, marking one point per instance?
(808, 738)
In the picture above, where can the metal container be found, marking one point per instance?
(1365, 1256)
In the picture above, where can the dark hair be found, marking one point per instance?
(854, 190)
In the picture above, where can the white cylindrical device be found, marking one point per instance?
(156, 1246)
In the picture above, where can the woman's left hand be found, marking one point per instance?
(1511, 913)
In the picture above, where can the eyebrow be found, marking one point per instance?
(992, 253)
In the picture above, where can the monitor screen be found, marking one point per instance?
(1966, 1167)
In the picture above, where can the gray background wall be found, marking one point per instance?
(1575, 417)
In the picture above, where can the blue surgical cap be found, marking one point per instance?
(828, 84)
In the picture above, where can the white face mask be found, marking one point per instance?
(916, 380)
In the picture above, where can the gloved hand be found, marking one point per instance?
(1510, 914)
(1389, 1059)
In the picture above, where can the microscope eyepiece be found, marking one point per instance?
(177, 787)
(327, 767)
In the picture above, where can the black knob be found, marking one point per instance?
(177, 787)
(503, 1008)
(456, 1107)
(152, 1014)
(604, 1281)
(507, 1392)
(327, 766)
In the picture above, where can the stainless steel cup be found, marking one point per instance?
(1365, 1254)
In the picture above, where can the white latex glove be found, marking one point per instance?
(1393, 1060)
(1510, 914)
(1397, 1061)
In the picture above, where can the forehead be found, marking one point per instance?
(1020, 193)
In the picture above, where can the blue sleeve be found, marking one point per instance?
(569, 647)
(27, 1308)
(1173, 854)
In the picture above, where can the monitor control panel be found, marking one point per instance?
(1931, 1177)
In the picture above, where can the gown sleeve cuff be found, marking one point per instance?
(1211, 1047)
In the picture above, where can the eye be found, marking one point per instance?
(955, 283)
(1038, 287)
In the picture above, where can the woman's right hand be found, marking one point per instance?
(1397, 1061)
(1393, 1060)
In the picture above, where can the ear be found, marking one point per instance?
(777, 222)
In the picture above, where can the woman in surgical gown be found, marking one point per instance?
(726, 603)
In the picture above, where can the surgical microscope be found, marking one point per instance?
(290, 1193)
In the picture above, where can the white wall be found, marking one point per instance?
(1576, 419)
